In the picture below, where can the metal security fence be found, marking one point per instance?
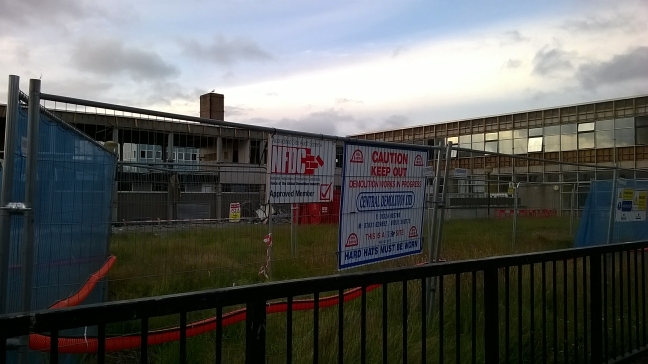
(57, 187)
(56, 197)
(615, 211)
(191, 199)
(529, 202)
(567, 306)
(201, 203)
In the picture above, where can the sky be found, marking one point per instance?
(335, 67)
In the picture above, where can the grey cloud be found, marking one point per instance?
(272, 94)
(163, 92)
(234, 111)
(77, 87)
(58, 13)
(395, 121)
(398, 51)
(622, 67)
(224, 51)
(514, 36)
(344, 100)
(321, 122)
(228, 76)
(600, 25)
(108, 57)
(549, 61)
(21, 53)
(26, 10)
(512, 63)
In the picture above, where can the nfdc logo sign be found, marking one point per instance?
(291, 160)
(300, 170)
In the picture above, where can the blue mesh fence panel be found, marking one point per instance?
(593, 227)
(72, 213)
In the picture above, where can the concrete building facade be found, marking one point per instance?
(213, 161)
(601, 133)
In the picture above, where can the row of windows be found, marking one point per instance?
(600, 134)
(186, 187)
(180, 156)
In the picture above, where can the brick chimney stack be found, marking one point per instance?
(212, 106)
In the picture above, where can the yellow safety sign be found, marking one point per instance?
(641, 200)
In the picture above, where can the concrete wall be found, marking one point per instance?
(143, 206)
(539, 197)
(238, 175)
(244, 151)
(468, 213)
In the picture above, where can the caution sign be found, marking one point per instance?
(383, 197)
(300, 170)
(630, 205)
(235, 212)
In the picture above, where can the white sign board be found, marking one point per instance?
(460, 173)
(630, 205)
(429, 172)
(383, 200)
(300, 170)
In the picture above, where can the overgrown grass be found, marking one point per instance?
(153, 261)
(156, 262)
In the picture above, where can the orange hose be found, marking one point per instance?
(89, 345)
(78, 345)
(89, 285)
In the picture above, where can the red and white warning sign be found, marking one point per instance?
(413, 232)
(383, 202)
(300, 170)
(357, 156)
(352, 241)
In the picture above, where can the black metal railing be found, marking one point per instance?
(570, 306)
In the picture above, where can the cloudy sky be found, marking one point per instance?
(337, 67)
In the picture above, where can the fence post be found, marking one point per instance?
(31, 185)
(255, 332)
(596, 311)
(33, 119)
(293, 242)
(7, 186)
(269, 252)
(571, 211)
(491, 315)
(435, 193)
(441, 218)
(515, 213)
(610, 232)
(444, 194)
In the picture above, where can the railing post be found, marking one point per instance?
(491, 315)
(255, 332)
(596, 299)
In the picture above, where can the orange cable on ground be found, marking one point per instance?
(84, 345)
(89, 345)
(89, 285)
